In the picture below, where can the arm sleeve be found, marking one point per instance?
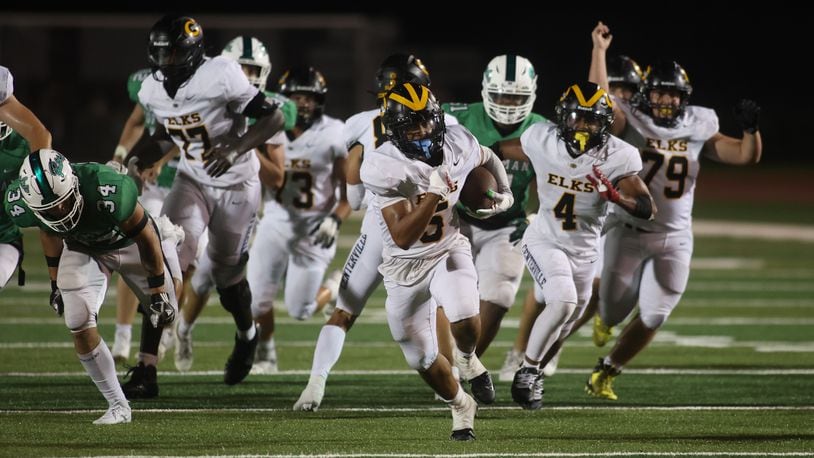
(493, 163)
(356, 195)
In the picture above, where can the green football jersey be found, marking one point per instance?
(287, 107)
(13, 151)
(109, 199)
(473, 116)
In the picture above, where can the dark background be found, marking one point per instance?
(71, 66)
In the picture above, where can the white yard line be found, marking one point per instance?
(500, 454)
(388, 373)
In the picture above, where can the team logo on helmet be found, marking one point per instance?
(192, 28)
(414, 122)
(55, 165)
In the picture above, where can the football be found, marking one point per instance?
(478, 182)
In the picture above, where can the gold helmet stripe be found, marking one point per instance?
(416, 102)
(588, 103)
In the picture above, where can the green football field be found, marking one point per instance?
(730, 374)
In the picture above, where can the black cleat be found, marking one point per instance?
(143, 383)
(466, 434)
(527, 388)
(482, 388)
(240, 361)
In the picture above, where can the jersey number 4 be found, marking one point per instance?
(564, 210)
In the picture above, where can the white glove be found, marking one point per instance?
(325, 232)
(117, 166)
(440, 182)
(503, 202)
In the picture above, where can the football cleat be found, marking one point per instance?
(240, 361)
(183, 351)
(311, 396)
(600, 383)
(143, 382)
(602, 332)
(527, 388)
(513, 361)
(117, 413)
(480, 382)
(463, 419)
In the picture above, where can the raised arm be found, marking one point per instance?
(24, 122)
(598, 73)
(745, 151)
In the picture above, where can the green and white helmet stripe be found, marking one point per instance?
(250, 51)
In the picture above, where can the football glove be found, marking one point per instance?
(160, 311)
(56, 299)
(603, 186)
(325, 232)
(747, 114)
(503, 202)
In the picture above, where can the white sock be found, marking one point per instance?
(458, 400)
(184, 328)
(102, 370)
(329, 347)
(124, 331)
(270, 349)
(609, 362)
(248, 334)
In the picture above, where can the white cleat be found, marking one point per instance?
(117, 413)
(265, 359)
(551, 367)
(463, 419)
(121, 349)
(311, 396)
(513, 361)
(183, 352)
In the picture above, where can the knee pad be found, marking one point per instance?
(225, 274)
(417, 358)
(501, 294)
(261, 308)
(236, 297)
(653, 319)
(78, 319)
(300, 311)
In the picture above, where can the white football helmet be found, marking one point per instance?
(5, 131)
(509, 77)
(250, 51)
(51, 189)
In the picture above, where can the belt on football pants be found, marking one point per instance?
(637, 229)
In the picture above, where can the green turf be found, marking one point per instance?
(730, 324)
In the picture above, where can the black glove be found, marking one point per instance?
(56, 299)
(520, 225)
(160, 310)
(747, 114)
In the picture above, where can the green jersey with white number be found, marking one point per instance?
(13, 151)
(109, 199)
(473, 116)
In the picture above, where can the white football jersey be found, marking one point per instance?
(6, 84)
(571, 211)
(210, 104)
(365, 128)
(670, 156)
(393, 177)
(309, 187)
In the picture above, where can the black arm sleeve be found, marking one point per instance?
(259, 107)
(644, 207)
